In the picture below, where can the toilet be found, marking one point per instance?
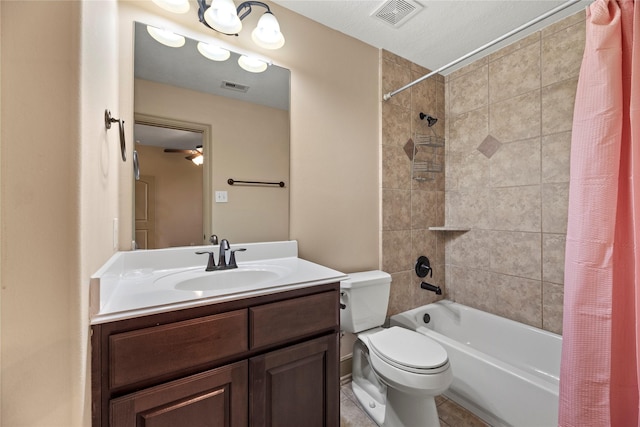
(396, 372)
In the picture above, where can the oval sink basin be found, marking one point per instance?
(224, 281)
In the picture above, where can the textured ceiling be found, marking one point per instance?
(441, 32)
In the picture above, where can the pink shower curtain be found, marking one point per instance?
(601, 331)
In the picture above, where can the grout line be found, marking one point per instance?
(541, 200)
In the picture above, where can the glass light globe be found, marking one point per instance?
(166, 37)
(175, 6)
(222, 16)
(267, 33)
(212, 52)
(252, 65)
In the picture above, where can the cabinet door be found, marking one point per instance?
(296, 386)
(214, 398)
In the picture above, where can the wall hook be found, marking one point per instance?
(108, 119)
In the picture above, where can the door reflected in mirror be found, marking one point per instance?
(245, 137)
(168, 195)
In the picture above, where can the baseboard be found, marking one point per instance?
(345, 380)
(345, 368)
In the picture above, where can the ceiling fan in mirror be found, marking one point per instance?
(194, 155)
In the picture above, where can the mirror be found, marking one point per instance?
(188, 106)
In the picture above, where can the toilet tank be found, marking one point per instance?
(365, 297)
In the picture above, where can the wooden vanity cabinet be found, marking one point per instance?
(270, 360)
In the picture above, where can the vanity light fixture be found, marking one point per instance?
(253, 65)
(224, 17)
(212, 52)
(166, 37)
(175, 6)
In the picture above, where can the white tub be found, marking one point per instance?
(505, 372)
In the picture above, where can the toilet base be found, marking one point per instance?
(399, 409)
(403, 409)
(373, 406)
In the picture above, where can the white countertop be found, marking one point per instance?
(138, 283)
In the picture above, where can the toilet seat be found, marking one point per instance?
(409, 351)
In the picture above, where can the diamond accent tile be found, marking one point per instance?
(408, 148)
(489, 146)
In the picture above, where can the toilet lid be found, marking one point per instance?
(408, 349)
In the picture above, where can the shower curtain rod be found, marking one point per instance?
(534, 21)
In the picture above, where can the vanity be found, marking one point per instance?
(173, 345)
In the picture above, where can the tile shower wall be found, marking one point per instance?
(409, 207)
(508, 135)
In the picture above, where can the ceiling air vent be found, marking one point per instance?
(234, 86)
(396, 12)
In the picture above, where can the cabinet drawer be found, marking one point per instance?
(175, 347)
(299, 317)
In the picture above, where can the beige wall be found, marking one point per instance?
(39, 210)
(57, 207)
(511, 262)
(256, 151)
(411, 206)
(1, 222)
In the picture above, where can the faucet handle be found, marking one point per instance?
(232, 257)
(423, 267)
(211, 264)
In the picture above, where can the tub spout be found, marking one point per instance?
(430, 287)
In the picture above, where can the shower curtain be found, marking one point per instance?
(600, 369)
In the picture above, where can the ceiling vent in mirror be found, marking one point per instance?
(396, 12)
(234, 86)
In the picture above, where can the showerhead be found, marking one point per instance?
(430, 120)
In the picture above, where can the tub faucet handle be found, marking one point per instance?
(423, 267)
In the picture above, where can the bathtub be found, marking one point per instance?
(505, 372)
